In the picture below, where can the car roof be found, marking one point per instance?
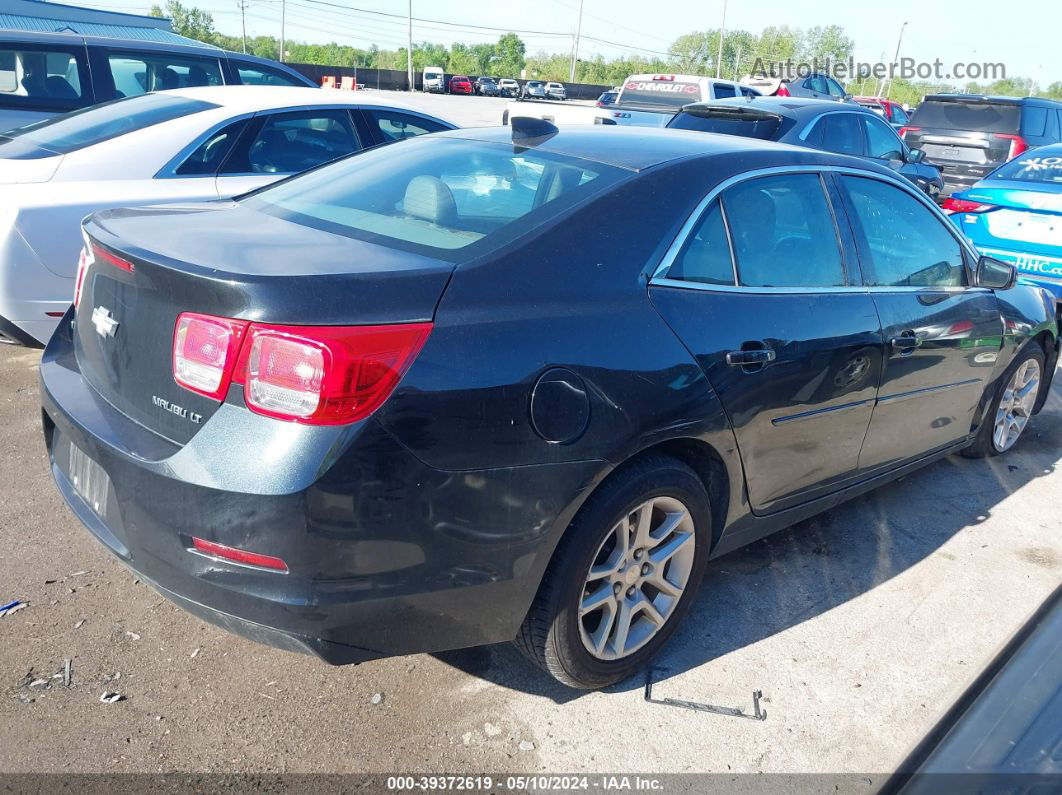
(992, 98)
(189, 47)
(790, 107)
(640, 148)
(266, 97)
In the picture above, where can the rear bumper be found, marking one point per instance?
(386, 556)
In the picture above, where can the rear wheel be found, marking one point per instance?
(623, 577)
(1012, 406)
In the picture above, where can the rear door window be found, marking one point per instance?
(842, 132)
(140, 72)
(705, 256)
(1034, 121)
(45, 77)
(990, 117)
(835, 88)
(209, 155)
(287, 143)
(905, 244)
(263, 76)
(393, 125)
(899, 115)
(783, 232)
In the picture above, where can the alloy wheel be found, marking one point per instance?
(637, 578)
(1016, 406)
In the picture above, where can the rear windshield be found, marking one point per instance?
(766, 129)
(446, 197)
(73, 131)
(663, 94)
(1044, 169)
(975, 116)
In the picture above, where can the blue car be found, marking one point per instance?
(1015, 214)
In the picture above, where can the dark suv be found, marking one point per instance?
(969, 135)
(44, 74)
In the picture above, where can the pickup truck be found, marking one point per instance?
(643, 101)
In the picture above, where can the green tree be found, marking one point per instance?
(509, 55)
(1054, 91)
(826, 44)
(193, 23)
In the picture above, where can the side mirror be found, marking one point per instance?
(916, 155)
(995, 274)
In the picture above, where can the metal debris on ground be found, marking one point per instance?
(377, 698)
(79, 624)
(110, 698)
(66, 672)
(39, 683)
(733, 712)
(12, 607)
(132, 635)
(195, 654)
(527, 745)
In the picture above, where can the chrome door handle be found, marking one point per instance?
(744, 358)
(905, 342)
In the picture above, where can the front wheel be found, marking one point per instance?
(1012, 406)
(623, 576)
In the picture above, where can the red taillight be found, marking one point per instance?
(110, 258)
(320, 375)
(905, 130)
(782, 91)
(953, 205)
(241, 556)
(83, 263)
(205, 349)
(325, 375)
(1017, 144)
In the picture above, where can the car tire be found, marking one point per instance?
(558, 633)
(1009, 407)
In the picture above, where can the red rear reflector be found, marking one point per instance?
(1017, 144)
(953, 205)
(241, 556)
(905, 130)
(83, 262)
(325, 375)
(100, 252)
(205, 349)
(55, 314)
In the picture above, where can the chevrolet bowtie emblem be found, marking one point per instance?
(105, 325)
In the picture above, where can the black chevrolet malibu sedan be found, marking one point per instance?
(518, 383)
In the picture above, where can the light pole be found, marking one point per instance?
(895, 60)
(409, 42)
(722, 32)
(283, 11)
(575, 43)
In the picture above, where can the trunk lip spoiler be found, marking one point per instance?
(732, 112)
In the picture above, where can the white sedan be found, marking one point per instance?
(185, 145)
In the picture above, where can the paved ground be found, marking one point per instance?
(860, 627)
(463, 111)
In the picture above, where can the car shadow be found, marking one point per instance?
(818, 564)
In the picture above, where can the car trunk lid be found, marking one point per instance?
(227, 261)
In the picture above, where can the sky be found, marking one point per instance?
(1028, 42)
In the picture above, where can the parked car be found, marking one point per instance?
(192, 144)
(396, 405)
(534, 89)
(888, 109)
(651, 100)
(433, 80)
(507, 87)
(969, 135)
(815, 85)
(487, 87)
(607, 98)
(556, 91)
(50, 73)
(1015, 214)
(460, 84)
(846, 129)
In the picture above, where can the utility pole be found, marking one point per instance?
(409, 50)
(895, 60)
(243, 19)
(737, 65)
(722, 32)
(575, 43)
(283, 13)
